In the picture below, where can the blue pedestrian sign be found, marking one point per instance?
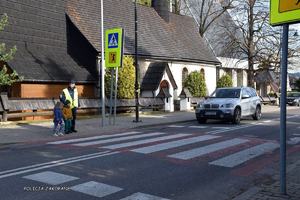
(113, 40)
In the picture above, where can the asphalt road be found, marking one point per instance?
(187, 161)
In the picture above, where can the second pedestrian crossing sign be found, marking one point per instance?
(284, 12)
(114, 47)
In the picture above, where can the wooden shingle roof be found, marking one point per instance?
(39, 30)
(177, 39)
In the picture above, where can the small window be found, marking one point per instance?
(185, 74)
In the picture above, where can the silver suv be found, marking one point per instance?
(230, 103)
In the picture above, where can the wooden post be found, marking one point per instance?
(4, 116)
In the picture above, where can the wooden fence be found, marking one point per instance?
(21, 107)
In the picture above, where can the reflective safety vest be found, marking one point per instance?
(74, 102)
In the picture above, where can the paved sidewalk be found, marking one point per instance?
(271, 191)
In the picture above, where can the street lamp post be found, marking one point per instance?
(102, 66)
(136, 65)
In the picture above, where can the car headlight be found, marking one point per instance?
(228, 105)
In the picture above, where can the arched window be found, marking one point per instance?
(202, 72)
(185, 74)
(164, 84)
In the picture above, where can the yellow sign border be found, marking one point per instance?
(277, 18)
(118, 51)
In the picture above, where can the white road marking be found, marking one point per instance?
(96, 189)
(51, 178)
(142, 196)
(129, 144)
(298, 127)
(245, 155)
(292, 116)
(294, 140)
(174, 144)
(200, 127)
(176, 126)
(296, 134)
(93, 138)
(56, 163)
(267, 121)
(197, 152)
(84, 144)
(52, 162)
(220, 127)
(230, 129)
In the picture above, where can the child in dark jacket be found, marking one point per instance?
(67, 114)
(58, 120)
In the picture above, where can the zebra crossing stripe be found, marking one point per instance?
(129, 144)
(197, 152)
(92, 138)
(174, 144)
(245, 155)
(220, 127)
(83, 144)
(51, 178)
(200, 127)
(96, 189)
(175, 126)
(267, 121)
(294, 140)
(142, 196)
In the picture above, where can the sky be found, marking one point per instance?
(297, 26)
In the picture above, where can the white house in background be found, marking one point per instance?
(224, 36)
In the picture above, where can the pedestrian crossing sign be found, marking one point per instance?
(114, 47)
(284, 12)
(113, 40)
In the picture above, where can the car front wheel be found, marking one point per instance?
(257, 114)
(201, 120)
(237, 116)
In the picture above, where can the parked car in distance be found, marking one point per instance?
(293, 98)
(230, 104)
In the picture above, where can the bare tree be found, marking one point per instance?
(205, 12)
(261, 43)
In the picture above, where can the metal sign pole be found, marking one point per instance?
(284, 63)
(116, 96)
(137, 108)
(111, 93)
(102, 66)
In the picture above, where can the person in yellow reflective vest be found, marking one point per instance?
(71, 94)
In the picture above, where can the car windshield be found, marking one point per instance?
(294, 94)
(226, 93)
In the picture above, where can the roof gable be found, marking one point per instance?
(154, 75)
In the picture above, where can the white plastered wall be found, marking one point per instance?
(176, 70)
(210, 75)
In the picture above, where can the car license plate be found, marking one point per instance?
(210, 113)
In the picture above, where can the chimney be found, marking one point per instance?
(162, 7)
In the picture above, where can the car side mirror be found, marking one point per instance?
(245, 96)
(206, 97)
